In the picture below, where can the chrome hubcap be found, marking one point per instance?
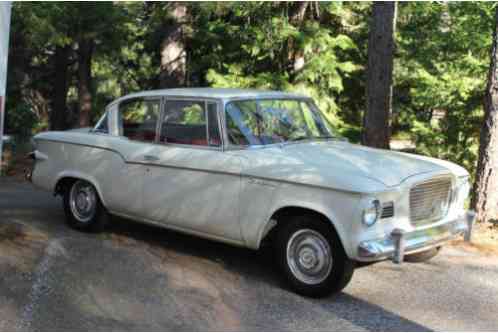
(309, 256)
(83, 201)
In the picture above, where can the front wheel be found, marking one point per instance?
(83, 209)
(312, 258)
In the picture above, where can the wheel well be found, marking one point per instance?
(281, 214)
(63, 184)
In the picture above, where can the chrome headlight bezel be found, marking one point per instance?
(371, 212)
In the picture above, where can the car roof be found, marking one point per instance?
(218, 93)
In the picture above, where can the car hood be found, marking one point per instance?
(340, 165)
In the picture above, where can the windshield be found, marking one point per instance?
(269, 121)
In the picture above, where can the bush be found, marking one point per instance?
(20, 121)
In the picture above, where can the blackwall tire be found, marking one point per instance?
(311, 257)
(83, 208)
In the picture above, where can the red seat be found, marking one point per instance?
(199, 142)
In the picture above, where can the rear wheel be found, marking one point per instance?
(312, 258)
(82, 206)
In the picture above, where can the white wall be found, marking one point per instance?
(5, 9)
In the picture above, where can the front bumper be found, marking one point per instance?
(399, 242)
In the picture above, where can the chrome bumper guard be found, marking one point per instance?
(399, 242)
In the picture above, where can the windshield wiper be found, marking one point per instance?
(326, 137)
(300, 138)
(303, 137)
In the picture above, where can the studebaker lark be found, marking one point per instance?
(248, 167)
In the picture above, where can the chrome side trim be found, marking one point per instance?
(205, 170)
(157, 93)
(267, 97)
(169, 166)
(85, 145)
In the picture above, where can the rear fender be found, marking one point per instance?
(82, 176)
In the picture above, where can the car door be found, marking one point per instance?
(192, 184)
(134, 124)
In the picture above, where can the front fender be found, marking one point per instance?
(337, 206)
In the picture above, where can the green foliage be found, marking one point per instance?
(21, 120)
(37, 30)
(442, 64)
(441, 60)
(253, 45)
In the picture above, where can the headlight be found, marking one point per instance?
(371, 213)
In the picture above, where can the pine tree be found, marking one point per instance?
(485, 200)
(376, 121)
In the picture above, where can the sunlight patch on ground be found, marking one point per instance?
(20, 245)
(484, 240)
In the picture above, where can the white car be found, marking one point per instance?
(247, 166)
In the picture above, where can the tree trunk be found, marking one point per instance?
(59, 108)
(85, 52)
(173, 53)
(485, 199)
(376, 120)
(297, 19)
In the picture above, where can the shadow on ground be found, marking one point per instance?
(257, 268)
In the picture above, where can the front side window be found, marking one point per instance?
(138, 119)
(190, 123)
(269, 121)
(103, 125)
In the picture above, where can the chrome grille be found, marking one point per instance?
(429, 200)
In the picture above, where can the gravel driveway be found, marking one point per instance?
(136, 277)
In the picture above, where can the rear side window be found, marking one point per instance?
(190, 123)
(138, 119)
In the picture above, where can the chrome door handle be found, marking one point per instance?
(151, 158)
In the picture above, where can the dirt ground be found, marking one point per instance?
(136, 277)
